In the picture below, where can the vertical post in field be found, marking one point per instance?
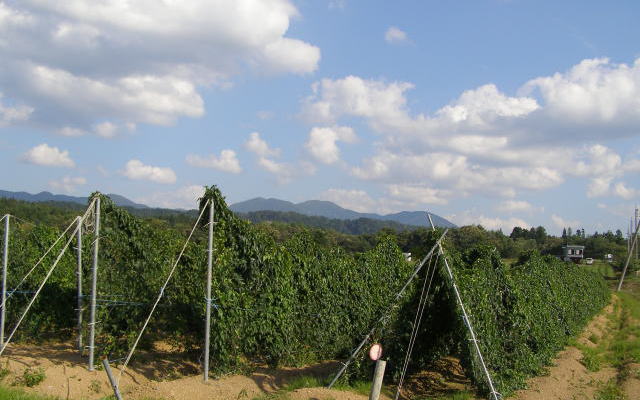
(378, 376)
(79, 279)
(94, 283)
(208, 316)
(5, 262)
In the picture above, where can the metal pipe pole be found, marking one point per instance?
(378, 376)
(630, 253)
(465, 318)
(207, 328)
(5, 262)
(79, 279)
(114, 384)
(94, 284)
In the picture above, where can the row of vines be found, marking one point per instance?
(298, 302)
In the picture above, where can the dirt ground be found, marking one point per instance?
(165, 377)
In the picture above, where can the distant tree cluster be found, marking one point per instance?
(355, 236)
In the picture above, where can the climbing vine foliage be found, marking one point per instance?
(298, 302)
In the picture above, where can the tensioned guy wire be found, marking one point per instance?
(175, 265)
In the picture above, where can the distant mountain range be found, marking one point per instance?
(47, 196)
(316, 208)
(330, 210)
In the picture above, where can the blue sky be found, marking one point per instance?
(494, 112)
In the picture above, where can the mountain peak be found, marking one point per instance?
(324, 208)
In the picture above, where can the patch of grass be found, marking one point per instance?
(17, 394)
(610, 391)
(304, 381)
(464, 395)
(591, 359)
(30, 377)
(360, 387)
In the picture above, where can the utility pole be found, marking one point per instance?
(94, 284)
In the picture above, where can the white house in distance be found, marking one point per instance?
(572, 253)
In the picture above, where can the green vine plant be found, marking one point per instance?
(299, 302)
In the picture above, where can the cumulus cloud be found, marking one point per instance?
(136, 170)
(516, 206)
(621, 190)
(396, 198)
(489, 142)
(67, 184)
(227, 161)
(256, 145)
(78, 63)
(284, 172)
(185, 197)
(394, 35)
(472, 217)
(322, 142)
(11, 115)
(49, 156)
(356, 200)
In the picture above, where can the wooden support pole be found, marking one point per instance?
(79, 279)
(114, 384)
(208, 316)
(94, 285)
(5, 262)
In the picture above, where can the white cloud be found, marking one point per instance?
(256, 145)
(356, 200)
(395, 35)
(185, 197)
(227, 161)
(67, 184)
(593, 91)
(472, 217)
(621, 190)
(515, 206)
(564, 223)
(380, 102)
(71, 132)
(322, 142)
(106, 130)
(415, 195)
(11, 115)
(489, 142)
(80, 63)
(284, 172)
(135, 169)
(49, 156)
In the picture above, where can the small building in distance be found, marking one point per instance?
(572, 253)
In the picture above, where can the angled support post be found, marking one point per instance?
(114, 384)
(94, 284)
(208, 316)
(5, 262)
